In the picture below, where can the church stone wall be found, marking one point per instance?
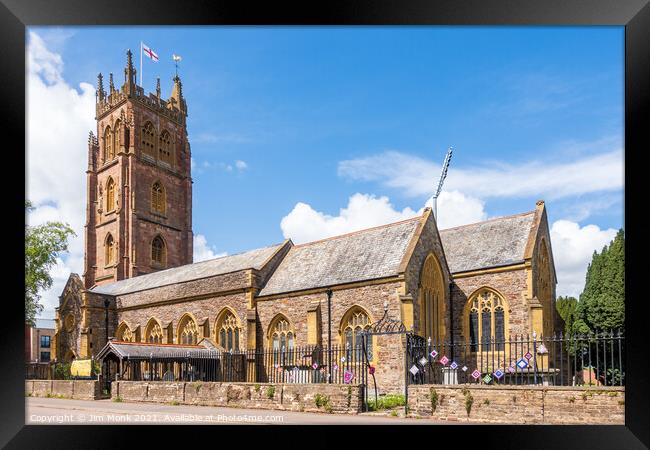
(388, 349)
(208, 308)
(511, 284)
(429, 242)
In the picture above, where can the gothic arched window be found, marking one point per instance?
(109, 150)
(153, 333)
(282, 339)
(486, 321)
(158, 251)
(110, 195)
(227, 330)
(116, 136)
(432, 295)
(165, 147)
(158, 198)
(188, 332)
(109, 250)
(124, 333)
(355, 321)
(149, 139)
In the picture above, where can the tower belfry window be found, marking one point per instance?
(109, 150)
(165, 148)
(148, 140)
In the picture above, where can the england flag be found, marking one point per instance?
(150, 53)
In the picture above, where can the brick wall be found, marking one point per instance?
(342, 399)
(77, 389)
(521, 404)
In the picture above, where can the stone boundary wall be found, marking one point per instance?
(334, 398)
(520, 404)
(77, 389)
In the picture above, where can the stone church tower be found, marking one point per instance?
(139, 188)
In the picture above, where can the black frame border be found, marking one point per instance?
(16, 15)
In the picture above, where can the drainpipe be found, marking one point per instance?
(451, 319)
(329, 334)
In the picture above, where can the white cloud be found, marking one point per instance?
(456, 208)
(203, 251)
(573, 247)
(58, 121)
(553, 180)
(241, 165)
(305, 224)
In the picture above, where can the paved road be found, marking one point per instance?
(97, 412)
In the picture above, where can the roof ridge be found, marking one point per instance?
(494, 219)
(123, 281)
(386, 225)
(153, 344)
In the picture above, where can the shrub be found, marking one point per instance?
(433, 395)
(62, 371)
(323, 400)
(117, 399)
(572, 399)
(388, 401)
(469, 400)
(257, 387)
(270, 391)
(393, 413)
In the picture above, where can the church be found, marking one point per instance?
(490, 279)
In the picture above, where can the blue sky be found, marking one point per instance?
(309, 131)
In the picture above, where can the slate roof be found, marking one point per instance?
(139, 350)
(492, 243)
(253, 259)
(362, 255)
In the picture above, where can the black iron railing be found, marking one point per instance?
(305, 364)
(595, 359)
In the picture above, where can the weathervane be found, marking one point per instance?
(176, 59)
(443, 175)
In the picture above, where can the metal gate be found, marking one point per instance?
(385, 326)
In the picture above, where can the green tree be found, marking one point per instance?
(43, 243)
(566, 308)
(602, 302)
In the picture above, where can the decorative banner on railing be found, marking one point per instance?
(522, 363)
(414, 369)
(476, 374)
(487, 378)
(453, 365)
(542, 349)
(498, 373)
(528, 355)
(433, 353)
(348, 376)
(444, 360)
(423, 361)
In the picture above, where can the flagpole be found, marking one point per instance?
(140, 63)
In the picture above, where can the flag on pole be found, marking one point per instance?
(150, 53)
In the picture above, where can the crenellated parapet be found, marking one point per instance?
(174, 108)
